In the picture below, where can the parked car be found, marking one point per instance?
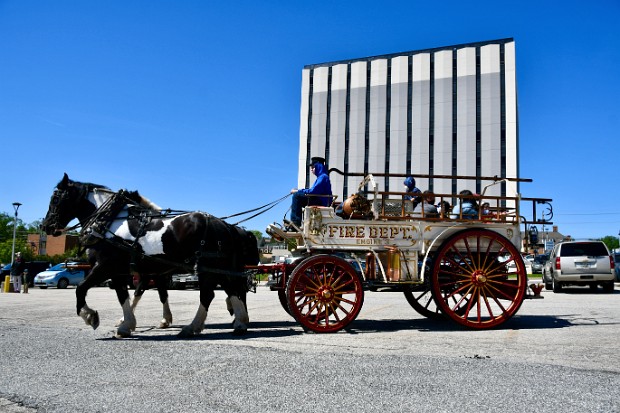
(182, 281)
(62, 275)
(580, 263)
(538, 263)
(6, 270)
(617, 263)
(511, 267)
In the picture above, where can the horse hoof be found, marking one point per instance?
(163, 324)
(94, 321)
(240, 331)
(123, 333)
(186, 333)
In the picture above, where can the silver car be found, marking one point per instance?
(538, 263)
(579, 263)
(183, 281)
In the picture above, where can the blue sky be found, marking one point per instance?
(196, 103)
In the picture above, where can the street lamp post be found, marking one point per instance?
(16, 206)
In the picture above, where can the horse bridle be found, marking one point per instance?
(58, 197)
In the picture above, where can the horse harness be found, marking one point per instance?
(98, 225)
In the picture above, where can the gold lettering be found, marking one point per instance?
(383, 232)
(360, 232)
(405, 232)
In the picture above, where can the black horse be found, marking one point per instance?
(125, 234)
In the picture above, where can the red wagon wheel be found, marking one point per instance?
(283, 300)
(420, 297)
(470, 280)
(324, 293)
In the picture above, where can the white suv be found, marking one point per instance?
(579, 263)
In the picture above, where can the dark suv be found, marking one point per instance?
(579, 263)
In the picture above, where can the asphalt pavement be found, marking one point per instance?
(559, 353)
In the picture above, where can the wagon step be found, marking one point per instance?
(276, 231)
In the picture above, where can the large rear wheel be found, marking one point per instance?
(324, 294)
(283, 300)
(470, 279)
(420, 297)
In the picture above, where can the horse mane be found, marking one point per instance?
(142, 201)
(132, 195)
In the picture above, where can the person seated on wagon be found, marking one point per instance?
(488, 213)
(429, 208)
(466, 207)
(444, 209)
(485, 208)
(410, 188)
(307, 196)
(485, 211)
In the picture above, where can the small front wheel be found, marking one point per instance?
(324, 294)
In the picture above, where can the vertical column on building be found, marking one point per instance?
(305, 133)
(490, 116)
(377, 120)
(420, 115)
(338, 118)
(510, 98)
(357, 123)
(466, 116)
(398, 120)
(442, 135)
(317, 126)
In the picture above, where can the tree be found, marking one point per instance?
(611, 241)
(257, 234)
(6, 237)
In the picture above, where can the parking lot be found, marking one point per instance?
(557, 353)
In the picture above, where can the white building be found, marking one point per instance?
(443, 111)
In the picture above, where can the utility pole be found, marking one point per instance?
(16, 206)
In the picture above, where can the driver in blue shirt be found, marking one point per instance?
(322, 186)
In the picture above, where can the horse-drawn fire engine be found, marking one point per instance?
(465, 268)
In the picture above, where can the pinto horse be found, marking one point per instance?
(125, 233)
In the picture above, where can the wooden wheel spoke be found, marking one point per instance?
(307, 281)
(493, 288)
(336, 307)
(457, 272)
(462, 262)
(463, 298)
